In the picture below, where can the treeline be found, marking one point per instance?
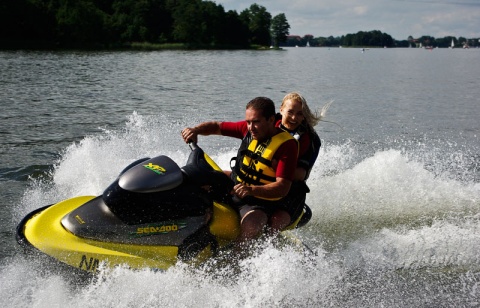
(169, 24)
(376, 38)
(371, 38)
(444, 42)
(119, 23)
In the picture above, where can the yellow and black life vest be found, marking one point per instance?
(254, 164)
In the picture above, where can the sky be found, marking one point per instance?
(398, 18)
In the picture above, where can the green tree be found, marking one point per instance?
(462, 41)
(199, 23)
(427, 41)
(135, 20)
(309, 40)
(158, 20)
(279, 29)
(371, 38)
(213, 23)
(79, 23)
(235, 32)
(22, 22)
(258, 21)
(321, 41)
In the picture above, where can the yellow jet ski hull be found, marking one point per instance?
(43, 230)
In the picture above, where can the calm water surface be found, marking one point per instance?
(395, 192)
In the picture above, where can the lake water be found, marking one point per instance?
(395, 192)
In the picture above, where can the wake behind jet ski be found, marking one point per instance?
(153, 215)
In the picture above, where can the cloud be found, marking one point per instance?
(360, 10)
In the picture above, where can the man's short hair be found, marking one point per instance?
(264, 104)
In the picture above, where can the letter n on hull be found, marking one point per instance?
(90, 264)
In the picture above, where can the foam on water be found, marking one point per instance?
(378, 219)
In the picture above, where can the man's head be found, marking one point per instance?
(264, 105)
(260, 117)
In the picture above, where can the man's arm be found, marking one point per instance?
(277, 189)
(190, 134)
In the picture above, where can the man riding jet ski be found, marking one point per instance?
(153, 215)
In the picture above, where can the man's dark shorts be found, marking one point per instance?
(292, 203)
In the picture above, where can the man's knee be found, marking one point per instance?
(253, 222)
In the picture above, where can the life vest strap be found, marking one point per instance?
(254, 177)
(258, 157)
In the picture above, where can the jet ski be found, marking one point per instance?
(153, 215)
